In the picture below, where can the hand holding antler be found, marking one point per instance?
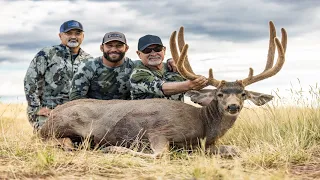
(198, 83)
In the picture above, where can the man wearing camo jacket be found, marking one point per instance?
(151, 79)
(106, 77)
(48, 78)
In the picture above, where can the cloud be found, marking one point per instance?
(229, 20)
(229, 36)
(32, 25)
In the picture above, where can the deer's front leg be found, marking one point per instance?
(159, 144)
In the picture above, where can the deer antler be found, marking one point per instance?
(270, 70)
(182, 61)
(212, 81)
(181, 43)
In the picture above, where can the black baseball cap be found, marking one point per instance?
(69, 25)
(148, 40)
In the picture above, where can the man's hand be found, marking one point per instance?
(44, 112)
(171, 65)
(198, 83)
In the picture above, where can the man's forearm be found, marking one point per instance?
(31, 92)
(171, 88)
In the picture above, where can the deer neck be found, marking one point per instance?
(216, 122)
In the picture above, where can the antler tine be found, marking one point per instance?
(270, 72)
(284, 39)
(272, 47)
(180, 65)
(212, 81)
(180, 60)
(181, 43)
(183, 65)
(173, 47)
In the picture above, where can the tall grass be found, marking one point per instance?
(276, 141)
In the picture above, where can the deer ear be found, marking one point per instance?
(259, 99)
(202, 97)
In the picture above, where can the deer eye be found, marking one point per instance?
(220, 95)
(243, 94)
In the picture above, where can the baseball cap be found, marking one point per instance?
(69, 25)
(148, 40)
(114, 36)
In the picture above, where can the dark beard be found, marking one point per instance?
(121, 55)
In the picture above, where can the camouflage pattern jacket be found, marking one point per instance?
(48, 78)
(98, 81)
(147, 83)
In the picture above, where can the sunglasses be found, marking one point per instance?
(155, 49)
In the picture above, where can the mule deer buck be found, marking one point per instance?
(116, 124)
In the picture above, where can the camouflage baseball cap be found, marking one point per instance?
(69, 25)
(114, 36)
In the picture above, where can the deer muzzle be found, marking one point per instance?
(233, 108)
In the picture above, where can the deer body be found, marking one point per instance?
(115, 122)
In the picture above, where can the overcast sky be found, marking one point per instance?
(229, 36)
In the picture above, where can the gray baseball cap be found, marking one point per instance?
(114, 36)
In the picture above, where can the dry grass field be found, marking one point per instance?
(276, 142)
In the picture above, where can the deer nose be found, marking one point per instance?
(233, 107)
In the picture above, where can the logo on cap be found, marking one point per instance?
(73, 24)
(114, 36)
